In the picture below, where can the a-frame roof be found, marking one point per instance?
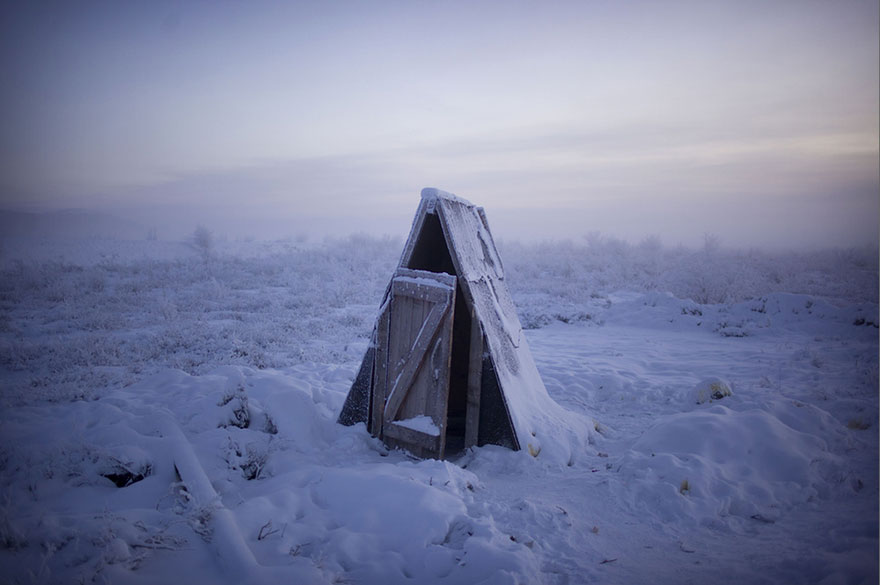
(540, 425)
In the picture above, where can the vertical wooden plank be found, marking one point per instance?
(417, 394)
(398, 334)
(475, 381)
(442, 365)
(422, 387)
(415, 402)
(380, 372)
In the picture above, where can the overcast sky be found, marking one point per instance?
(753, 121)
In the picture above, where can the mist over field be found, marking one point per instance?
(756, 123)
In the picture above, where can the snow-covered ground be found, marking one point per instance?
(168, 415)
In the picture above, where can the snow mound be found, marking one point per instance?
(718, 463)
(301, 500)
(710, 389)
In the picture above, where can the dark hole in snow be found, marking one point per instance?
(125, 477)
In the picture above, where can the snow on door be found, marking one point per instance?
(414, 345)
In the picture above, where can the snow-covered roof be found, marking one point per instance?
(540, 425)
(431, 194)
(524, 416)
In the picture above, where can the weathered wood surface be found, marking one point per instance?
(418, 342)
(415, 358)
(450, 235)
(380, 374)
(412, 438)
(437, 278)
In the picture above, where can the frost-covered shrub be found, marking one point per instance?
(68, 330)
(203, 241)
(567, 271)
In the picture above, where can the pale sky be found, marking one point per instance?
(753, 121)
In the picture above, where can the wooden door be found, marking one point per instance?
(413, 350)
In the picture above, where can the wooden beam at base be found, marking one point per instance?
(406, 436)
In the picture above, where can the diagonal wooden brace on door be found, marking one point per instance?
(414, 359)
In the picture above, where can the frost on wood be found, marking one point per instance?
(450, 238)
(422, 423)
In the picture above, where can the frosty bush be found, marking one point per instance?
(571, 272)
(203, 242)
(68, 329)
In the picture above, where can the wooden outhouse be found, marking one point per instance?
(448, 366)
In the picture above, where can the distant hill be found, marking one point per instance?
(68, 224)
